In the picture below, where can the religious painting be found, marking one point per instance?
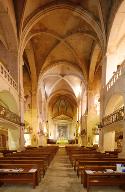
(62, 132)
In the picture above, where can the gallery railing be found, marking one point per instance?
(9, 115)
(120, 71)
(6, 75)
(116, 116)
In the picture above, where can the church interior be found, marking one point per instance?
(62, 95)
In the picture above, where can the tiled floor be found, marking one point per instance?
(60, 177)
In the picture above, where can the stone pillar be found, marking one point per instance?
(34, 118)
(122, 154)
(102, 98)
(104, 66)
(101, 139)
(103, 84)
(84, 137)
(34, 112)
(92, 118)
(21, 102)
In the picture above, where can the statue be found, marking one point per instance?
(34, 140)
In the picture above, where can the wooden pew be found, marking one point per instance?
(6, 151)
(23, 166)
(76, 150)
(45, 158)
(36, 162)
(94, 168)
(105, 179)
(18, 176)
(98, 162)
(76, 158)
(73, 157)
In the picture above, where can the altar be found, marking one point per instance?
(62, 141)
(62, 134)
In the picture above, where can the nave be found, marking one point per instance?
(60, 177)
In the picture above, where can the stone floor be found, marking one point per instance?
(60, 177)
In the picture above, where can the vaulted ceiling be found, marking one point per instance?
(67, 40)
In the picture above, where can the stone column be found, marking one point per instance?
(84, 137)
(34, 112)
(101, 139)
(122, 154)
(21, 102)
(102, 98)
(104, 66)
(34, 116)
(90, 116)
(103, 84)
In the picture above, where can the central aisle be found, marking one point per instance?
(60, 176)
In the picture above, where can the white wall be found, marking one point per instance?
(13, 139)
(109, 141)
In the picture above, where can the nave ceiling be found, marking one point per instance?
(63, 42)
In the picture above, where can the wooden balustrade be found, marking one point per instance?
(116, 116)
(9, 115)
